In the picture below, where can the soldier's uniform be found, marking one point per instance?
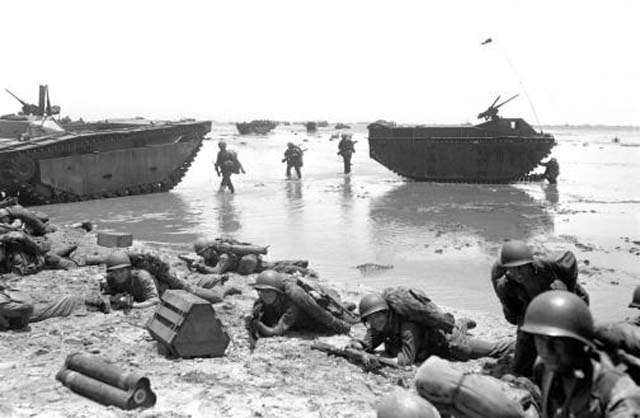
(142, 286)
(548, 274)
(17, 308)
(602, 392)
(284, 316)
(346, 150)
(411, 342)
(227, 162)
(293, 157)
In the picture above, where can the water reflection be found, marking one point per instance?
(293, 189)
(160, 217)
(227, 214)
(551, 193)
(494, 212)
(347, 191)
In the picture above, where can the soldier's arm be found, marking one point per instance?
(149, 291)
(286, 321)
(410, 338)
(512, 307)
(565, 268)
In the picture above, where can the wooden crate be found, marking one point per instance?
(186, 326)
(115, 239)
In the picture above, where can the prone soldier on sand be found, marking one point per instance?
(17, 308)
(226, 164)
(576, 380)
(517, 278)
(222, 255)
(293, 158)
(286, 304)
(137, 288)
(413, 328)
(346, 150)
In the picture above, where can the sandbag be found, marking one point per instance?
(319, 305)
(415, 306)
(471, 395)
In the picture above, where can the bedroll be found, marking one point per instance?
(415, 306)
(323, 305)
(472, 395)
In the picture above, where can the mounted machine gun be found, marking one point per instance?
(492, 111)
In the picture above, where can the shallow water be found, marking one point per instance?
(440, 237)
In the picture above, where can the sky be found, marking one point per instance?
(573, 62)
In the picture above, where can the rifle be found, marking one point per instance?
(354, 355)
(256, 314)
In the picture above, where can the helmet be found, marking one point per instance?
(559, 313)
(635, 302)
(117, 260)
(269, 280)
(222, 144)
(290, 144)
(201, 244)
(372, 303)
(515, 253)
(404, 404)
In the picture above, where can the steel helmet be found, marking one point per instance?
(201, 244)
(370, 304)
(559, 313)
(117, 260)
(269, 280)
(222, 144)
(404, 404)
(515, 253)
(290, 144)
(635, 301)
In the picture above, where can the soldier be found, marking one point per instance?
(346, 149)
(409, 342)
(403, 404)
(17, 309)
(227, 163)
(276, 313)
(552, 170)
(576, 380)
(138, 289)
(517, 278)
(293, 158)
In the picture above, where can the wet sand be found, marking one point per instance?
(442, 238)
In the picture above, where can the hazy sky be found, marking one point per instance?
(410, 61)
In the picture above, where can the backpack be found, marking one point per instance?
(323, 305)
(415, 306)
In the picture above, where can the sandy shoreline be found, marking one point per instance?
(283, 377)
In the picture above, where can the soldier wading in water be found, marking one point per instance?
(227, 163)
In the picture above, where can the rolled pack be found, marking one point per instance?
(471, 395)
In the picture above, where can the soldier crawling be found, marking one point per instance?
(408, 341)
(284, 305)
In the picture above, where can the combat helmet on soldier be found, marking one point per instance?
(117, 260)
(515, 254)
(201, 245)
(269, 280)
(370, 304)
(403, 404)
(558, 313)
(635, 301)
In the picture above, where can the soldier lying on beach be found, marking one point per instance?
(412, 328)
(285, 304)
(17, 308)
(221, 255)
(144, 288)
